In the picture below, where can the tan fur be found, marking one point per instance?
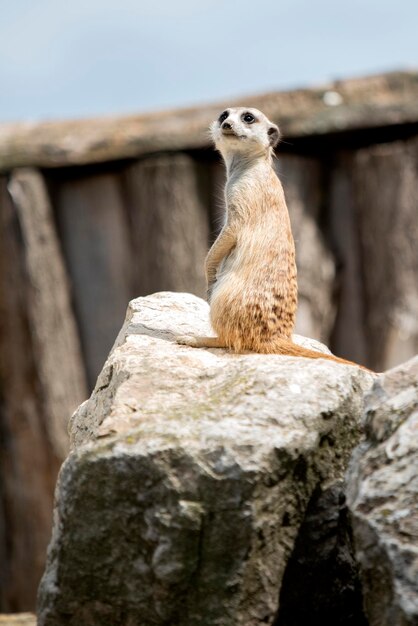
(251, 267)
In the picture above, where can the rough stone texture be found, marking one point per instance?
(383, 499)
(190, 476)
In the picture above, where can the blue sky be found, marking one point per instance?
(93, 57)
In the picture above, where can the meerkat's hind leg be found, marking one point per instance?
(200, 342)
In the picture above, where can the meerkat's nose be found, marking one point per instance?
(226, 126)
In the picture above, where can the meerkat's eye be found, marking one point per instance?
(223, 117)
(248, 118)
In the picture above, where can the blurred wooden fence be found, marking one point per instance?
(94, 213)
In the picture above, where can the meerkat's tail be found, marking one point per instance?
(279, 345)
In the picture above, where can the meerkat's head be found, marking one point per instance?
(244, 131)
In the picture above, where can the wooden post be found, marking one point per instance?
(385, 193)
(41, 381)
(53, 327)
(94, 231)
(349, 338)
(301, 178)
(170, 224)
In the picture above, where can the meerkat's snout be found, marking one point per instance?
(227, 129)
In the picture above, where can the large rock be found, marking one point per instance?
(190, 476)
(383, 498)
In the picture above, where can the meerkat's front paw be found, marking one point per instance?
(187, 340)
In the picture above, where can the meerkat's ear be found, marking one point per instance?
(273, 135)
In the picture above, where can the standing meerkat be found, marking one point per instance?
(251, 267)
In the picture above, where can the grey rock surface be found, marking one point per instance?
(190, 476)
(382, 494)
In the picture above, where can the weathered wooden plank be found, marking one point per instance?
(95, 238)
(349, 336)
(385, 194)
(302, 182)
(170, 224)
(53, 328)
(39, 384)
(361, 103)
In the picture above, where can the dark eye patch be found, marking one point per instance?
(223, 117)
(248, 118)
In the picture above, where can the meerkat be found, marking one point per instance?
(251, 267)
